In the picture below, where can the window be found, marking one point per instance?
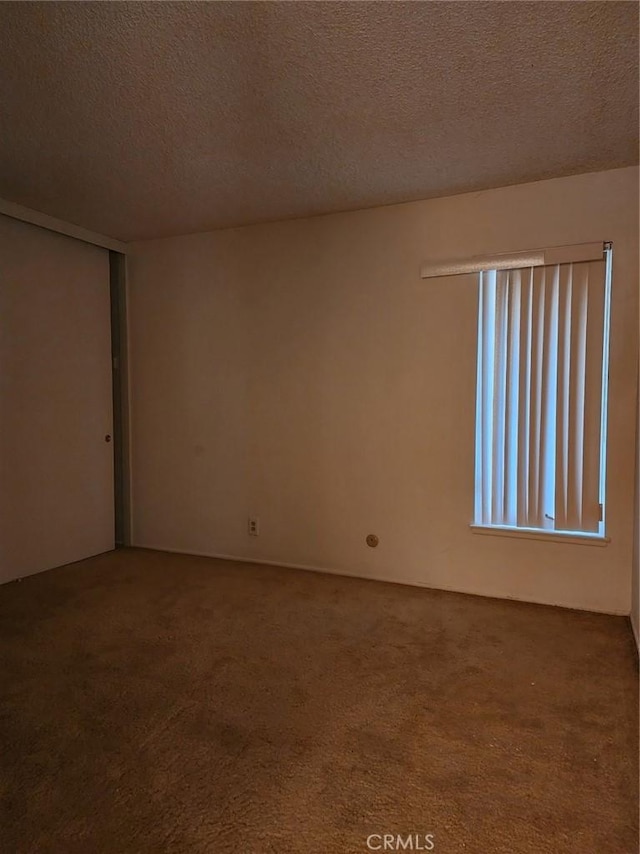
(541, 402)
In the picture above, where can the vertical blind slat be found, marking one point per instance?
(563, 396)
(512, 398)
(575, 443)
(480, 396)
(524, 401)
(489, 344)
(547, 460)
(535, 431)
(499, 395)
(593, 396)
(508, 322)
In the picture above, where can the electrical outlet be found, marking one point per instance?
(253, 526)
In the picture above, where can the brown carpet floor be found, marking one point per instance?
(164, 703)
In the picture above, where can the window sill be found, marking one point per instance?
(530, 534)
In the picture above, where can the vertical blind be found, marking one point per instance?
(541, 396)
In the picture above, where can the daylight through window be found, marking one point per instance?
(542, 397)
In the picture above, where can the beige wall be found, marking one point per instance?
(303, 372)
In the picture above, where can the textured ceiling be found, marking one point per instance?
(146, 119)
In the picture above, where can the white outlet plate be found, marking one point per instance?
(253, 526)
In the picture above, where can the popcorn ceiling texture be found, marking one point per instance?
(141, 120)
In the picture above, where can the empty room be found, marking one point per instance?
(319, 483)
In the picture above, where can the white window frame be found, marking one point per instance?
(533, 258)
(514, 530)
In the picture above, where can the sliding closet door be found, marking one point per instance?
(56, 465)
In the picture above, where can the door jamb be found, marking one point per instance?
(120, 390)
